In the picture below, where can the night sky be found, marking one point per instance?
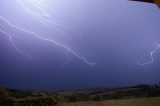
(114, 34)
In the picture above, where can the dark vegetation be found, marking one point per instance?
(11, 97)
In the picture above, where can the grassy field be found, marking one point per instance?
(155, 101)
(139, 102)
(149, 94)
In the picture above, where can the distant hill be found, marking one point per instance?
(12, 97)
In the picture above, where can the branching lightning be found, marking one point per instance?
(151, 55)
(13, 43)
(43, 17)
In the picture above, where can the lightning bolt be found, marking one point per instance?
(42, 17)
(13, 43)
(151, 55)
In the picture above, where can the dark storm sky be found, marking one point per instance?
(115, 35)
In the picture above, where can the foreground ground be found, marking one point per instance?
(153, 101)
(125, 96)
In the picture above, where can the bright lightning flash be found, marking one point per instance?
(34, 8)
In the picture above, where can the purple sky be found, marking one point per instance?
(114, 33)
